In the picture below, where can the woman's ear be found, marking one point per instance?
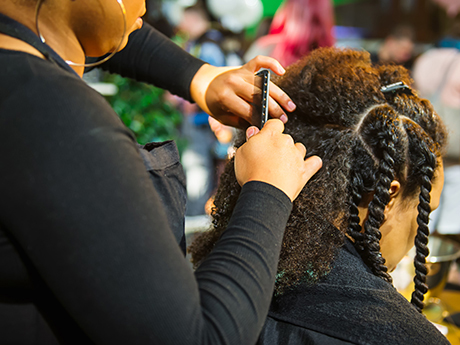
(395, 191)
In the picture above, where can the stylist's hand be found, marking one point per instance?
(226, 93)
(272, 157)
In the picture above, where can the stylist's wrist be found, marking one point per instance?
(201, 81)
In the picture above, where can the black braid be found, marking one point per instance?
(385, 138)
(354, 228)
(421, 241)
(357, 189)
(362, 182)
(427, 158)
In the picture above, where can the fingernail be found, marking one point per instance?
(250, 132)
(291, 105)
(283, 118)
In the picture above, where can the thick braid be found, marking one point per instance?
(362, 177)
(384, 135)
(354, 229)
(427, 158)
(421, 240)
(356, 195)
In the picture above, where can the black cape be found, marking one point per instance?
(349, 305)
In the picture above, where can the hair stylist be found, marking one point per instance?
(87, 255)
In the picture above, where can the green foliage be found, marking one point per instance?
(142, 108)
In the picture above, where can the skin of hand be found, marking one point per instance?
(272, 157)
(226, 93)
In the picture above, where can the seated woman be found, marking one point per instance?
(381, 147)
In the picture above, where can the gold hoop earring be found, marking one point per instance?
(93, 64)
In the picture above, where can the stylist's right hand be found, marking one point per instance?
(272, 157)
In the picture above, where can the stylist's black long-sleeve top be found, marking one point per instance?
(86, 254)
(153, 58)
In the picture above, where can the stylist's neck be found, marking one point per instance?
(53, 27)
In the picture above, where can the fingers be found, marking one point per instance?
(229, 96)
(278, 103)
(275, 111)
(265, 62)
(240, 113)
(239, 102)
(301, 148)
(281, 98)
(312, 165)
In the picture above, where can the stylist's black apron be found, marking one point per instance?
(160, 159)
(162, 162)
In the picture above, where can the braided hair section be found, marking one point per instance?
(422, 148)
(379, 131)
(354, 227)
(427, 138)
(362, 182)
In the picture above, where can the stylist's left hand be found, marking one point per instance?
(226, 93)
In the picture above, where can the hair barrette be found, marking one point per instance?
(396, 88)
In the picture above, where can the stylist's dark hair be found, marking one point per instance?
(366, 139)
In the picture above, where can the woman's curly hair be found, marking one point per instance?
(366, 139)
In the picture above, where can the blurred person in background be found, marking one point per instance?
(452, 7)
(397, 47)
(298, 27)
(203, 148)
(437, 77)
